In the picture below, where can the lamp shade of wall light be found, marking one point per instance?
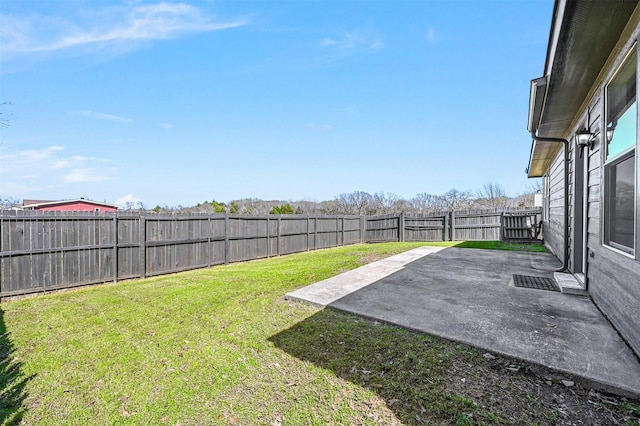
(584, 138)
(610, 131)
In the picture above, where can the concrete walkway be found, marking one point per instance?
(468, 296)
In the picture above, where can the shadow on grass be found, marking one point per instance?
(12, 380)
(407, 369)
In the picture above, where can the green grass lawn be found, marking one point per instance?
(187, 348)
(492, 245)
(222, 346)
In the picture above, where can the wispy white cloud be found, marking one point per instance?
(432, 36)
(346, 109)
(29, 158)
(165, 125)
(62, 163)
(49, 166)
(88, 175)
(127, 199)
(101, 116)
(114, 25)
(319, 127)
(354, 42)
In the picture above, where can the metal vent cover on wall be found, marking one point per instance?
(538, 283)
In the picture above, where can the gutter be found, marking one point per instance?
(565, 264)
(537, 94)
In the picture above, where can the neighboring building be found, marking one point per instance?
(77, 205)
(583, 117)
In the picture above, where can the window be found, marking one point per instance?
(620, 158)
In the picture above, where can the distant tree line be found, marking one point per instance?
(490, 196)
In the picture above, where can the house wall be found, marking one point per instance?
(613, 279)
(77, 207)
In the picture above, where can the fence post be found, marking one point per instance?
(401, 227)
(278, 238)
(342, 223)
(445, 227)
(209, 246)
(363, 229)
(268, 237)
(226, 238)
(308, 233)
(453, 225)
(142, 254)
(115, 248)
(315, 232)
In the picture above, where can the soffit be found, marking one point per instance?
(542, 154)
(588, 33)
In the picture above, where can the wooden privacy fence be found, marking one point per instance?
(40, 251)
(450, 226)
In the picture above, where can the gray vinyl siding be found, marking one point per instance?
(554, 225)
(613, 278)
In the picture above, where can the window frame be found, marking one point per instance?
(608, 163)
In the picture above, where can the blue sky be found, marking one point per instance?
(175, 103)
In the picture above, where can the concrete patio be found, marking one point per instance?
(468, 296)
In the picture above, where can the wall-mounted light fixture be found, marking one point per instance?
(610, 131)
(584, 138)
(611, 127)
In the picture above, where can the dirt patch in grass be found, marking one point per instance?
(427, 380)
(525, 393)
(369, 258)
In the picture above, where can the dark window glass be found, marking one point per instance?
(620, 166)
(620, 203)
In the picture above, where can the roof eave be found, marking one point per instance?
(582, 37)
(63, 202)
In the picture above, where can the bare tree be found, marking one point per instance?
(329, 207)
(388, 203)
(455, 199)
(527, 198)
(426, 203)
(492, 195)
(6, 115)
(9, 203)
(536, 186)
(357, 202)
(491, 190)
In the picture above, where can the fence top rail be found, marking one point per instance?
(125, 214)
(54, 214)
(463, 213)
